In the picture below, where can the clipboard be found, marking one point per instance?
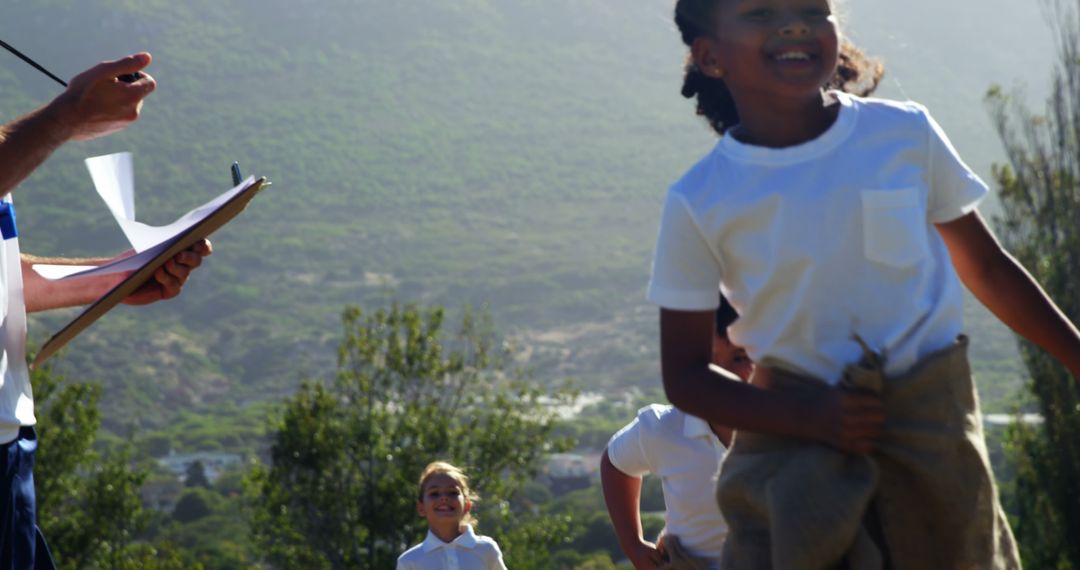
(208, 225)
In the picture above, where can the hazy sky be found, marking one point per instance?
(946, 53)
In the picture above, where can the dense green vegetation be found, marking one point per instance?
(1041, 224)
(89, 501)
(505, 155)
(508, 155)
(340, 490)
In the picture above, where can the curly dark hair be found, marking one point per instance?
(855, 72)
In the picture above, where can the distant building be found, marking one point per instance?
(213, 463)
(565, 472)
(1009, 419)
(161, 495)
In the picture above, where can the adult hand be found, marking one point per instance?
(645, 556)
(169, 279)
(96, 103)
(849, 420)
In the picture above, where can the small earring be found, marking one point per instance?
(716, 72)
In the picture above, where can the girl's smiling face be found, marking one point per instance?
(784, 48)
(442, 502)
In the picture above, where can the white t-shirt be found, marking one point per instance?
(685, 453)
(815, 243)
(469, 551)
(16, 399)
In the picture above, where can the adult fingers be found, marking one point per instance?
(188, 259)
(169, 283)
(178, 271)
(143, 86)
(108, 71)
(202, 247)
(124, 65)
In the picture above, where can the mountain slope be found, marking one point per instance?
(507, 154)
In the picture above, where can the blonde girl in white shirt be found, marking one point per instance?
(446, 501)
(840, 228)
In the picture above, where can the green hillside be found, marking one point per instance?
(503, 154)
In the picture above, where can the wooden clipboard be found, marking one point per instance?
(208, 225)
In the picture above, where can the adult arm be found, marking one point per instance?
(1000, 283)
(95, 104)
(848, 420)
(622, 494)
(42, 294)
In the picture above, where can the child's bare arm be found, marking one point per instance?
(850, 421)
(1008, 290)
(622, 495)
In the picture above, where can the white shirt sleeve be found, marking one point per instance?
(495, 561)
(686, 270)
(954, 189)
(626, 451)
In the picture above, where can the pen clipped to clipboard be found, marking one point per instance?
(153, 245)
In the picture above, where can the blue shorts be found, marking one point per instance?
(22, 546)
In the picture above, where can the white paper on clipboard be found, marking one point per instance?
(114, 181)
(181, 234)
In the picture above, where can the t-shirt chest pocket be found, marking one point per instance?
(894, 226)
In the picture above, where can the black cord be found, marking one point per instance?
(32, 62)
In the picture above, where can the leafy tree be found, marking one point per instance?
(195, 476)
(196, 503)
(1040, 224)
(570, 560)
(88, 502)
(346, 453)
(218, 540)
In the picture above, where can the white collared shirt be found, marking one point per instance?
(469, 551)
(685, 453)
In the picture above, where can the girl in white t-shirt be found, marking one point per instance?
(445, 500)
(840, 228)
